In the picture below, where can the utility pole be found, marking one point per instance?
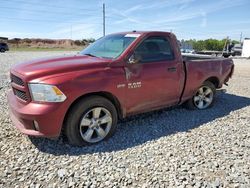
(103, 15)
(240, 37)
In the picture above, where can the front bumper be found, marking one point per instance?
(49, 117)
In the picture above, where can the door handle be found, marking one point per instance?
(172, 69)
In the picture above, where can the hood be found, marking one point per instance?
(49, 66)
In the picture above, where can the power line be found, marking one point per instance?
(39, 20)
(45, 11)
(77, 12)
(53, 6)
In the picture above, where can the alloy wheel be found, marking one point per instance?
(95, 124)
(203, 97)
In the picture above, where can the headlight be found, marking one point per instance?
(46, 93)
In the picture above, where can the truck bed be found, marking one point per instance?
(198, 69)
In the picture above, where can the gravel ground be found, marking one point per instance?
(168, 148)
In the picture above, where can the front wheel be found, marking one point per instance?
(91, 120)
(203, 98)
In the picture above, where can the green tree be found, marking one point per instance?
(209, 44)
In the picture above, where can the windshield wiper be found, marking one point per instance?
(90, 55)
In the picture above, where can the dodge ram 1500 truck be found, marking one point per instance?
(84, 95)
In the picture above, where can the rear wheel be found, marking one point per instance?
(91, 120)
(203, 98)
(2, 50)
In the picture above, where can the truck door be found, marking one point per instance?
(154, 76)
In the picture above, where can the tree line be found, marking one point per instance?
(208, 44)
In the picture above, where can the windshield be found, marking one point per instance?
(110, 46)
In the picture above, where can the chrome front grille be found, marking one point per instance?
(16, 80)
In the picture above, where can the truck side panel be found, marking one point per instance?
(199, 71)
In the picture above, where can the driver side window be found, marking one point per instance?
(154, 49)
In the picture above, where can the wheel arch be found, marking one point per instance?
(104, 94)
(214, 80)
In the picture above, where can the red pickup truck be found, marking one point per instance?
(84, 95)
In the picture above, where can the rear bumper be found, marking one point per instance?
(229, 75)
(48, 116)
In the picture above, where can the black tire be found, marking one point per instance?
(72, 128)
(190, 104)
(2, 50)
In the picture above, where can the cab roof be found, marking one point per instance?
(144, 32)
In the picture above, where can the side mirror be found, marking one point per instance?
(134, 58)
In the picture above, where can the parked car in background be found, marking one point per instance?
(83, 96)
(187, 51)
(4, 47)
(237, 50)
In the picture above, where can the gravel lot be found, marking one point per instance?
(168, 148)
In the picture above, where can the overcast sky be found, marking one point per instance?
(78, 19)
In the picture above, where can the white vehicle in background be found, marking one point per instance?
(187, 51)
(246, 48)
